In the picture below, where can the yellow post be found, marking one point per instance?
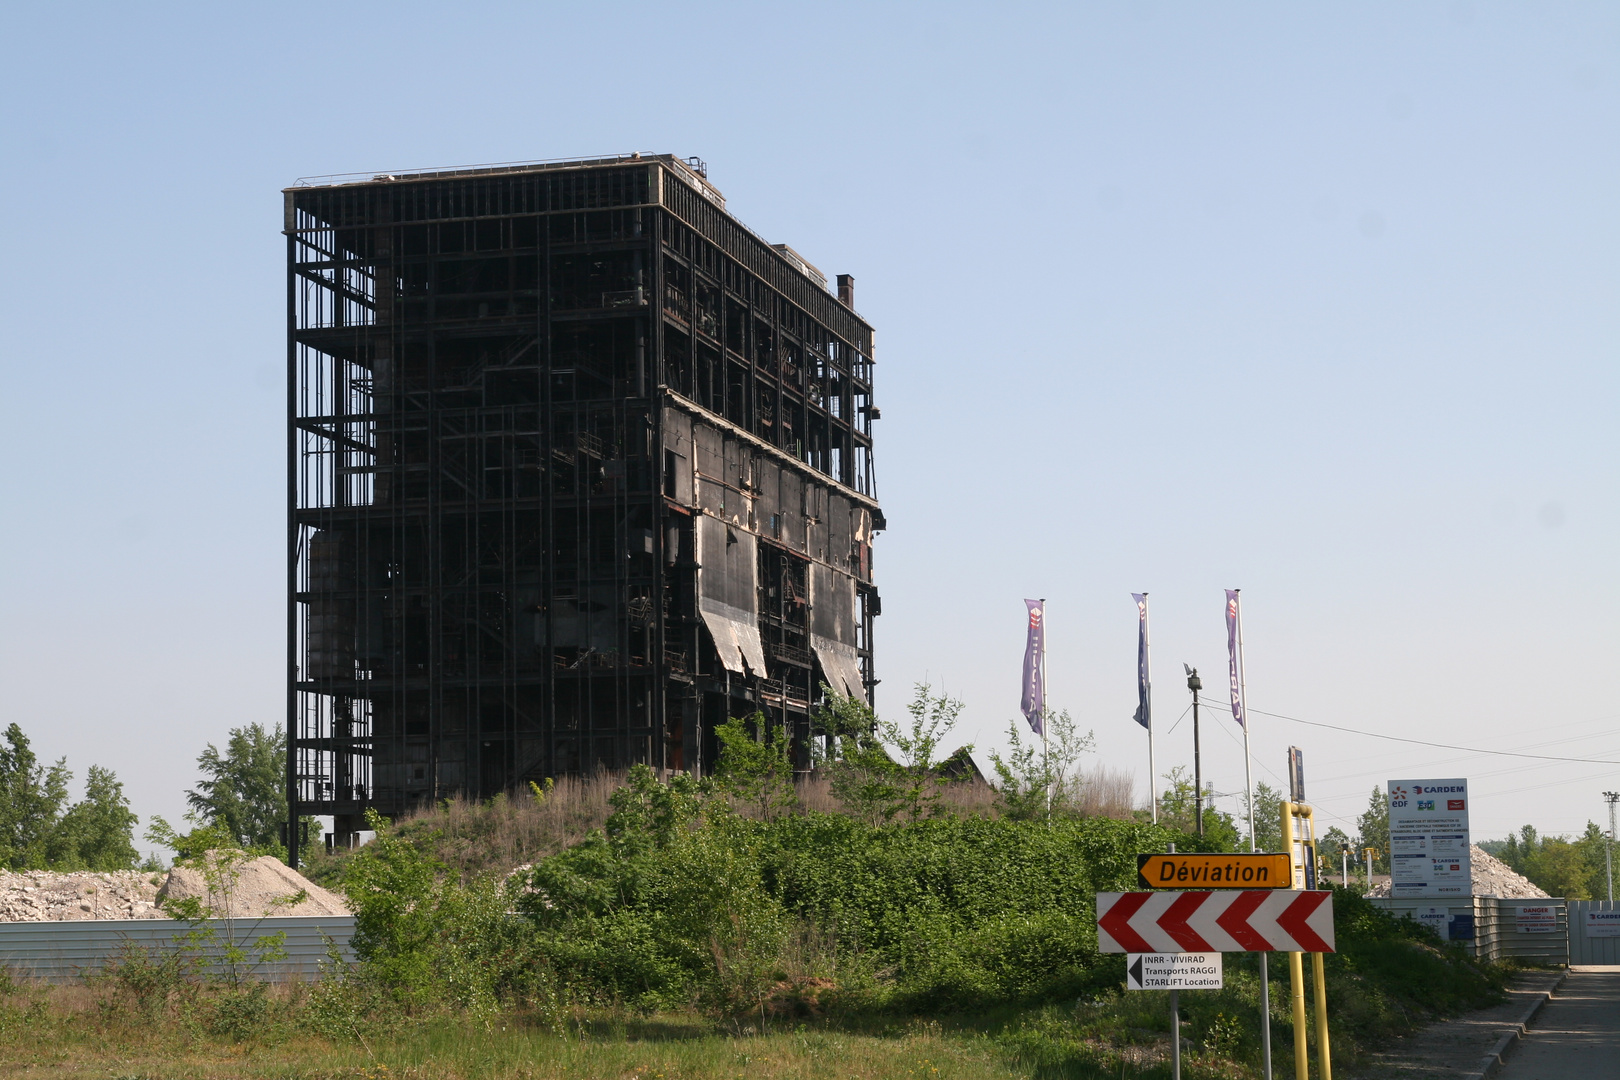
(1296, 962)
(1324, 1055)
(1296, 968)
(1296, 982)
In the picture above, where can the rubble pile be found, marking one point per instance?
(52, 896)
(1491, 877)
(262, 886)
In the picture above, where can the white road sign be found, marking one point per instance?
(1536, 919)
(1173, 971)
(1603, 923)
(1428, 838)
(1437, 919)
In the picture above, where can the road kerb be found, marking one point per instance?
(1510, 1041)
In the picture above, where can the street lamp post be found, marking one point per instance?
(1195, 684)
(1610, 797)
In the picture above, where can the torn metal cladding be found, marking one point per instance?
(578, 468)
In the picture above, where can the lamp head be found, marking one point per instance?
(1194, 683)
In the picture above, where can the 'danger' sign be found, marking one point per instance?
(1428, 838)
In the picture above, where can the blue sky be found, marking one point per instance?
(1318, 301)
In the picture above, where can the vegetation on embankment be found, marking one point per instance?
(723, 928)
(685, 940)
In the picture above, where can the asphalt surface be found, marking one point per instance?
(1576, 1035)
(1454, 1049)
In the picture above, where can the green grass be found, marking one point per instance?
(100, 1031)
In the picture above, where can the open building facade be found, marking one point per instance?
(579, 467)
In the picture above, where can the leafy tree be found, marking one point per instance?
(98, 832)
(1374, 828)
(36, 832)
(243, 790)
(755, 767)
(1331, 845)
(863, 776)
(1268, 834)
(1030, 768)
(31, 800)
(1572, 869)
(1178, 810)
(875, 784)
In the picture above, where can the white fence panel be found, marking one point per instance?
(1592, 941)
(1497, 931)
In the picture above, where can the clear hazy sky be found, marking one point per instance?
(1318, 301)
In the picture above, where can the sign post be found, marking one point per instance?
(1175, 938)
(1299, 831)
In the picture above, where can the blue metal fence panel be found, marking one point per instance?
(69, 951)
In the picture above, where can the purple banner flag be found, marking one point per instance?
(1034, 703)
(1144, 697)
(1232, 654)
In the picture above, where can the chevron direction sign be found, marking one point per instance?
(1256, 920)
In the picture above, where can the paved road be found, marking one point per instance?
(1453, 1049)
(1577, 1034)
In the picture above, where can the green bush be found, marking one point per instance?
(679, 898)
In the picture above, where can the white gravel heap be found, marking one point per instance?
(1491, 877)
(261, 888)
(49, 896)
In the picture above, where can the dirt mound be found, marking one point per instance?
(251, 890)
(1491, 877)
(53, 896)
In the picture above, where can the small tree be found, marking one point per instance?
(1268, 835)
(1331, 847)
(862, 774)
(31, 801)
(755, 766)
(1178, 809)
(1374, 827)
(1032, 768)
(243, 790)
(98, 832)
(874, 784)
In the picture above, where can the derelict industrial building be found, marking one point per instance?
(579, 466)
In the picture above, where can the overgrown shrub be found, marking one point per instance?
(427, 938)
(679, 898)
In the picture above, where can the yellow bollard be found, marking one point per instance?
(1324, 1057)
(1296, 983)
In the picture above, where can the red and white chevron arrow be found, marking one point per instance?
(1273, 920)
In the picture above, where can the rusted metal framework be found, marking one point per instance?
(578, 467)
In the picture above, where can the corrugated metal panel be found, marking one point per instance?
(1496, 931)
(67, 951)
(1583, 948)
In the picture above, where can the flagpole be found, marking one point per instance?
(1046, 717)
(1147, 656)
(1243, 695)
(1248, 785)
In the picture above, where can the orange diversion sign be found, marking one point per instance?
(1259, 870)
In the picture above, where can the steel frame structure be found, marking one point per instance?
(578, 467)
